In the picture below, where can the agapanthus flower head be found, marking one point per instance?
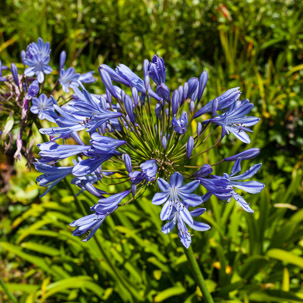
(136, 138)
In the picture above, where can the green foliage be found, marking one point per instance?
(256, 45)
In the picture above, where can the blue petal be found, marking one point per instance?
(197, 212)
(248, 174)
(190, 199)
(176, 180)
(163, 185)
(247, 154)
(199, 226)
(241, 135)
(166, 211)
(252, 187)
(242, 203)
(186, 216)
(168, 227)
(160, 198)
(189, 187)
(236, 167)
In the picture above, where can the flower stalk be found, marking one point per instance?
(198, 275)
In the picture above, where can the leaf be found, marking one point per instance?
(285, 256)
(8, 126)
(72, 283)
(252, 266)
(44, 249)
(169, 292)
(274, 296)
(38, 261)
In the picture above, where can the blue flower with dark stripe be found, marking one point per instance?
(90, 224)
(177, 198)
(234, 120)
(37, 57)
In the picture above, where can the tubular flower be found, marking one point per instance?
(134, 138)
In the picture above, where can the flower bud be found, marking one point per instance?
(23, 54)
(62, 59)
(204, 171)
(214, 107)
(199, 128)
(192, 86)
(189, 146)
(129, 107)
(175, 102)
(192, 106)
(135, 95)
(245, 155)
(163, 92)
(145, 67)
(185, 90)
(164, 142)
(158, 110)
(14, 71)
(128, 162)
(146, 82)
(180, 91)
(33, 89)
(202, 84)
(105, 77)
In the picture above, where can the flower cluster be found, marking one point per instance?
(20, 97)
(142, 135)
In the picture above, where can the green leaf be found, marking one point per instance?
(72, 283)
(169, 292)
(8, 126)
(285, 256)
(44, 249)
(252, 266)
(274, 296)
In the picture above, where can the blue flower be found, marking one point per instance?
(177, 199)
(44, 107)
(92, 222)
(40, 48)
(33, 89)
(149, 169)
(224, 101)
(234, 120)
(37, 58)
(69, 79)
(223, 187)
(51, 151)
(126, 76)
(156, 70)
(183, 232)
(86, 183)
(51, 175)
(102, 149)
(180, 125)
(252, 187)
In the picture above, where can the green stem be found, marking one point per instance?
(198, 274)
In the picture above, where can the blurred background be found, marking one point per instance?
(255, 45)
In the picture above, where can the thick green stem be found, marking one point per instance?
(198, 275)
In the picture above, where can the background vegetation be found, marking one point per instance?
(256, 45)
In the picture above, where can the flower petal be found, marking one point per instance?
(176, 180)
(168, 227)
(160, 198)
(189, 187)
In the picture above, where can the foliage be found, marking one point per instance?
(256, 45)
